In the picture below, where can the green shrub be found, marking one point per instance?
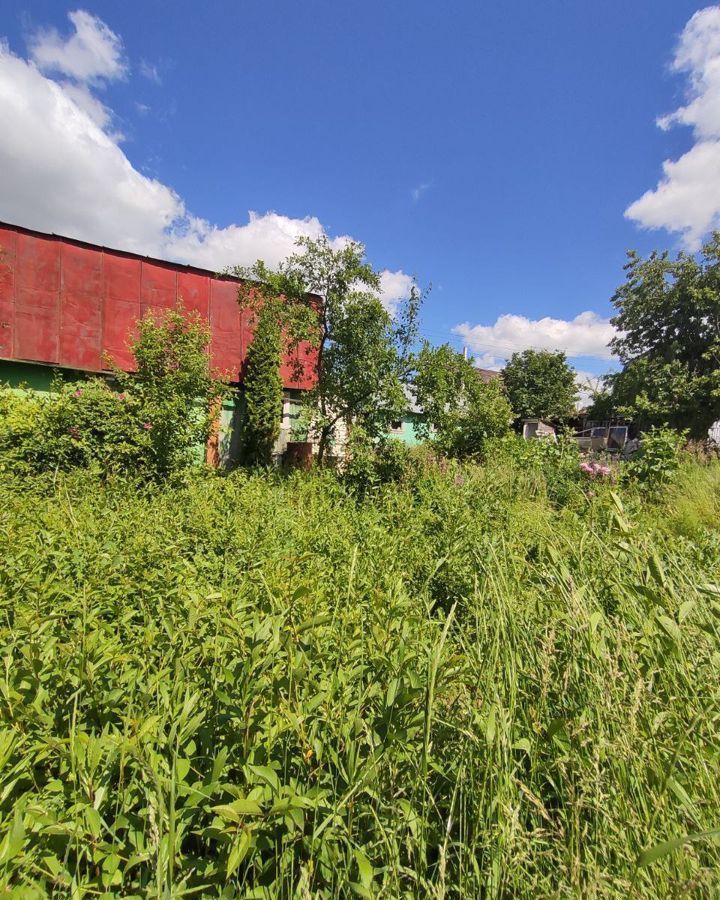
(175, 387)
(553, 466)
(20, 414)
(658, 458)
(373, 463)
(152, 422)
(83, 423)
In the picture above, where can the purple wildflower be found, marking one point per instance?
(147, 426)
(78, 393)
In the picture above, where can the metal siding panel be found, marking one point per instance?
(82, 271)
(122, 278)
(27, 298)
(226, 329)
(36, 333)
(159, 287)
(7, 327)
(81, 331)
(121, 307)
(121, 318)
(8, 240)
(37, 263)
(81, 304)
(307, 355)
(194, 293)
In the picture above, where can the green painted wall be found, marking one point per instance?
(32, 376)
(408, 433)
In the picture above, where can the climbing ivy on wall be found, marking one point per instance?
(263, 390)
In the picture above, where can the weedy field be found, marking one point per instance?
(480, 682)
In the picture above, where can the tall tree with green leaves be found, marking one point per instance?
(460, 410)
(331, 297)
(263, 389)
(668, 321)
(540, 384)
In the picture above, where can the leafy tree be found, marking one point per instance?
(173, 387)
(540, 384)
(461, 411)
(668, 319)
(602, 406)
(332, 298)
(263, 389)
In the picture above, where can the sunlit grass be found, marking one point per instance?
(450, 689)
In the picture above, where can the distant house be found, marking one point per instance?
(406, 429)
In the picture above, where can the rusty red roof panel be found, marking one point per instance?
(73, 304)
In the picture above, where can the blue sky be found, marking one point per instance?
(491, 149)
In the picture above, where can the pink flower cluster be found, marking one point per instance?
(595, 470)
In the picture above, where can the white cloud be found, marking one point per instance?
(394, 287)
(488, 361)
(586, 335)
(150, 71)
(93, 52)
(270, 237)
(59, 171)
(417, 192)
(687, 198)
(62, 171)
(89, 103)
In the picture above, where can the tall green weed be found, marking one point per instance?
(260, 686)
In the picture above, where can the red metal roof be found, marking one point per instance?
(72, 304)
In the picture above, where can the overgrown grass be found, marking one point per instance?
(259, 687)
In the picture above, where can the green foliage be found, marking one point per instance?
(540, 384)
(372, 462)
(693, 497)
(152, 422)
(175, 386)
(84, 423)
(257, 686)
(602, 406)
(263, 390)
(460, 411)
(332, 297)
(554, 465)
(658, 458)
(667, 316)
